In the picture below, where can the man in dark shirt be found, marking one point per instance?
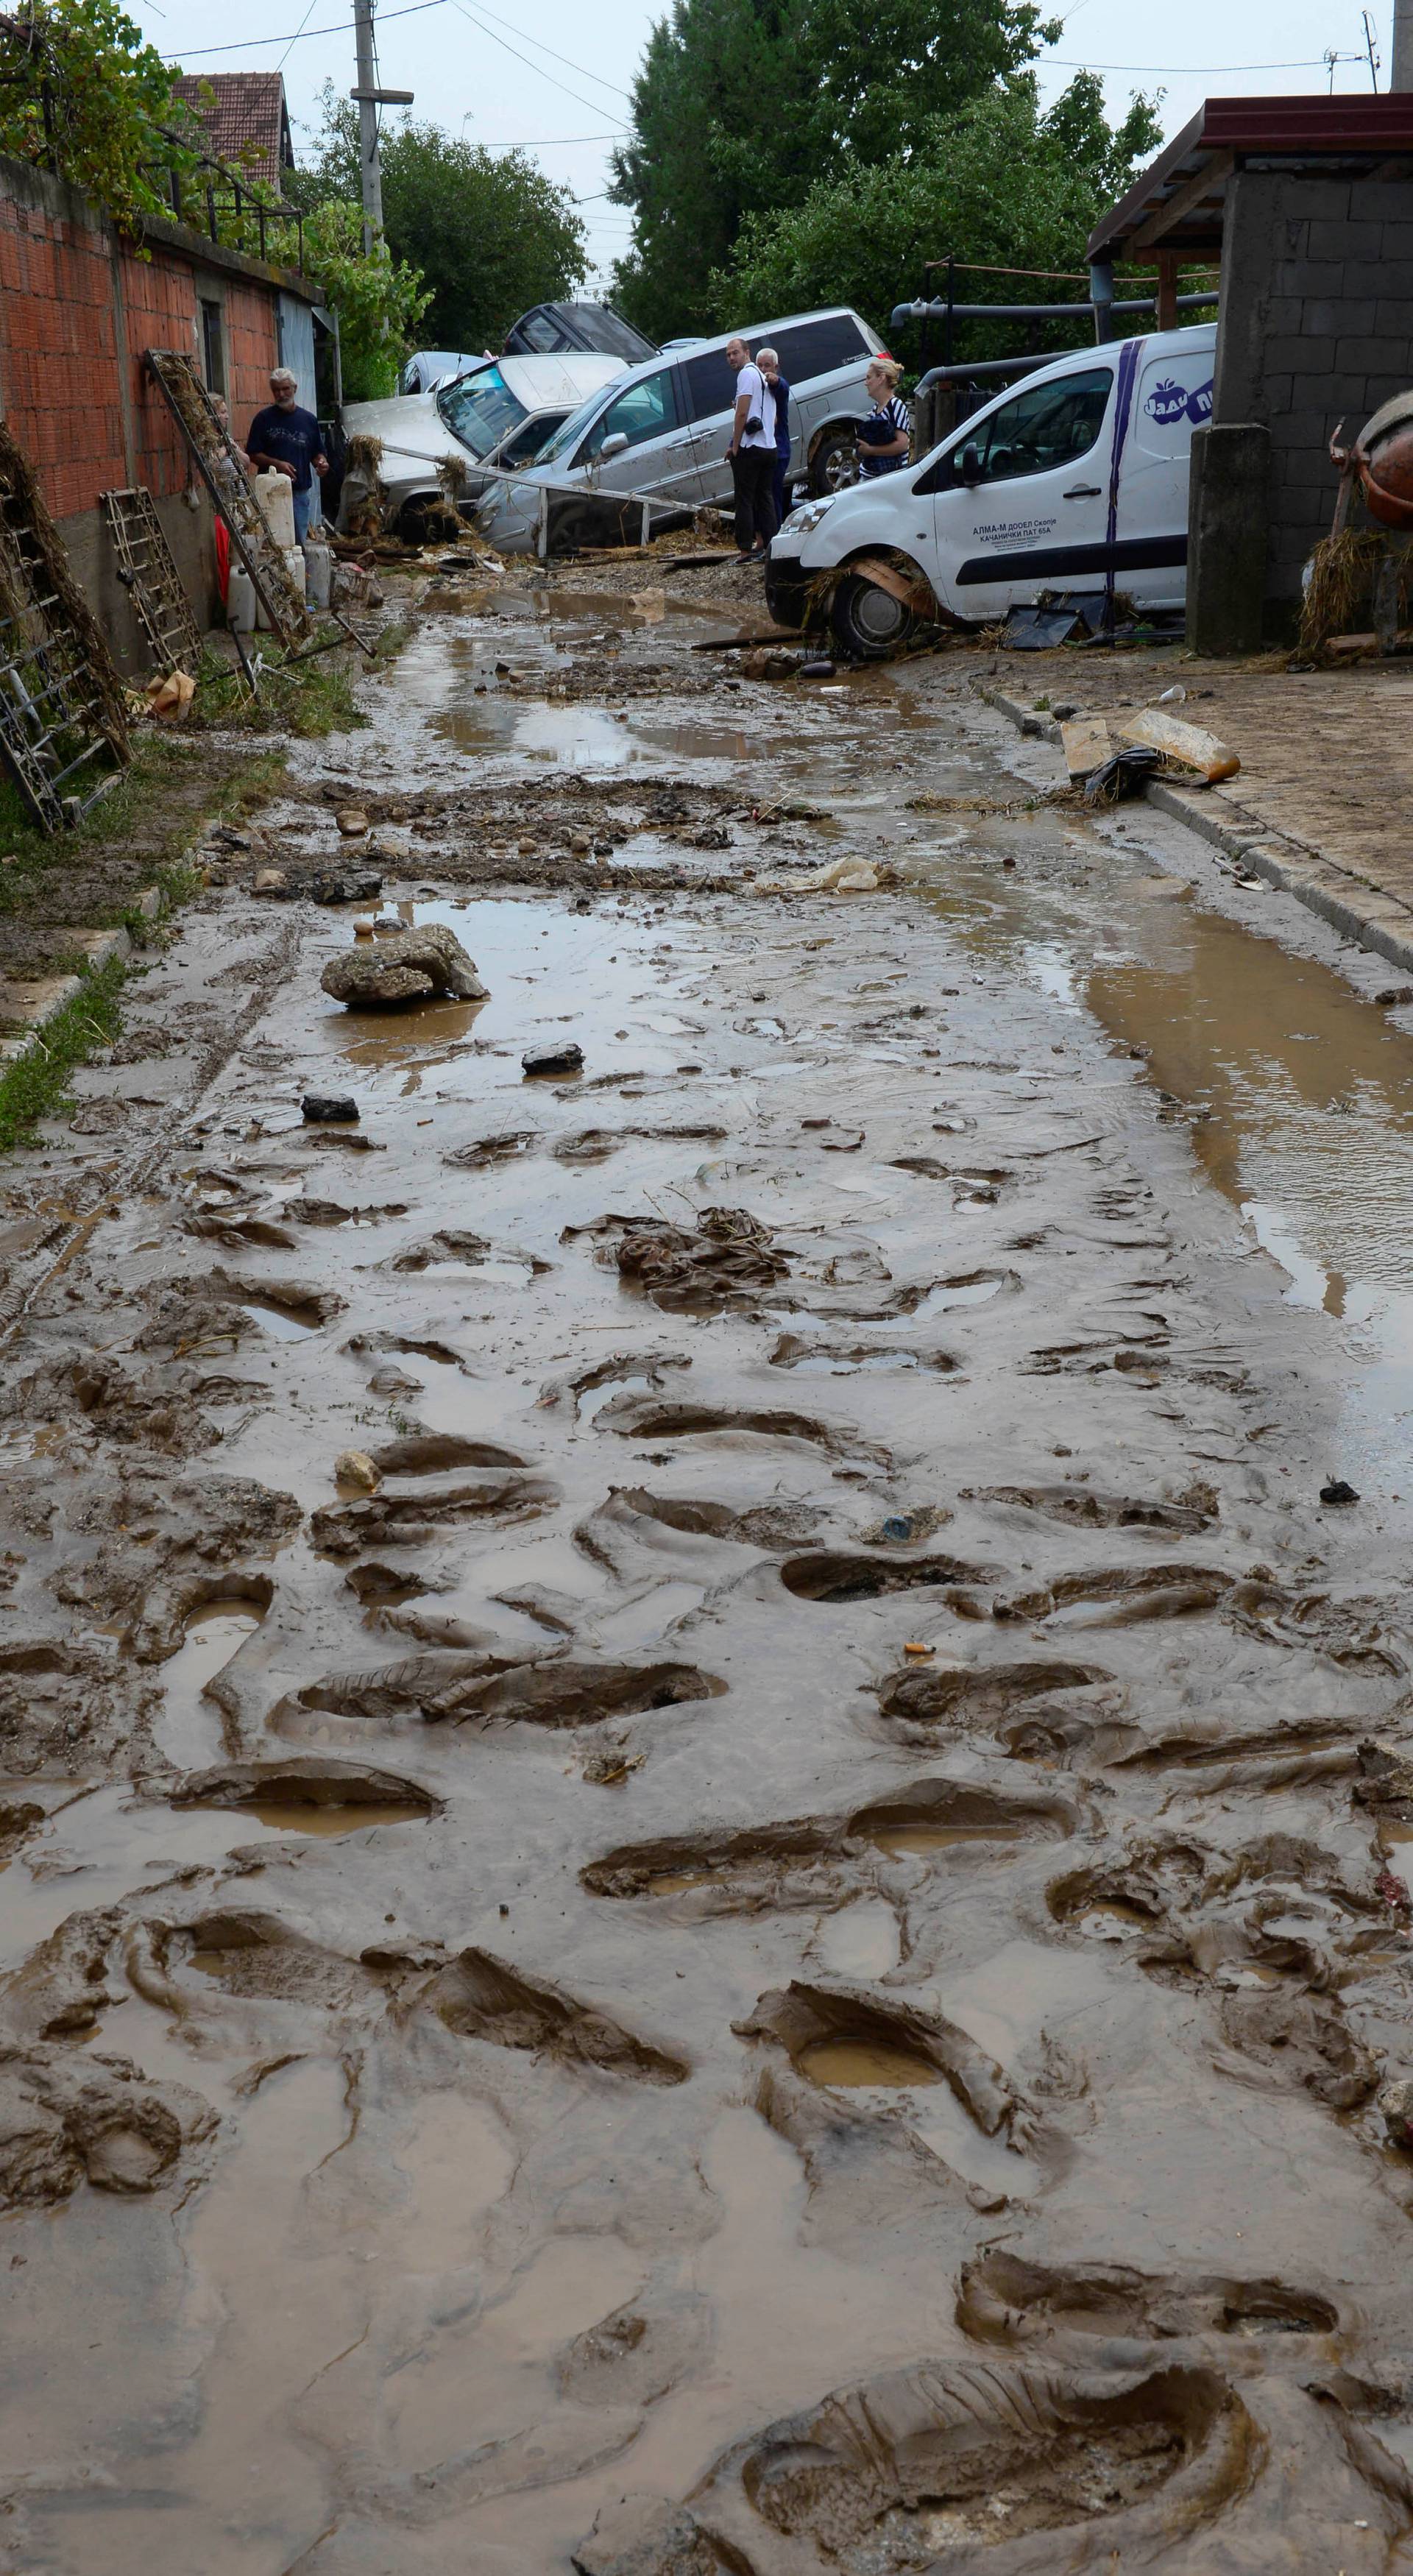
(284, 436)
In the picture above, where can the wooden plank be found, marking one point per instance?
(917, 595)
(1205, 182)
(1087, 744)
(1191, 744)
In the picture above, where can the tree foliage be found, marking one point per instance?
(489, 232)
(83, 94)
(743, 106)
(999, 182)
(379, 300)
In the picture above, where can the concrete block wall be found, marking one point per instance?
(78, 306)
(1316, 326)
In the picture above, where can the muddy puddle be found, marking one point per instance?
(771, 1939)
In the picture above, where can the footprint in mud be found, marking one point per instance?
(481, 1997)
(636, 1417)
(952, 2457)
(949, 1697)
(596, 1144)
(919, 1302)
(1003, 2298)
(1077, 1505)
(856, 2036)
(1120, 1596)
(294, 1305)
(633, 1514)
(488, 1151)
(310, 1794)
(407, 1346)
(643, 1370)
(412, 1520)
(66, 2119)
(845, 1359)
(189, 1728)
(459, 1687)
(842, 1575)
(821, 1862)
(434, 1453)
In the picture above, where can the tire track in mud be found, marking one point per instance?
(748, 2038)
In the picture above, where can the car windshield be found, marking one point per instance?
(480, 409)
(577, 423)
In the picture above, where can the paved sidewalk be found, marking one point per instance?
(1323, 802)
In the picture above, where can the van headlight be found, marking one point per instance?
(809, 517)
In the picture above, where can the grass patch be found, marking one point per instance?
(33, 1086)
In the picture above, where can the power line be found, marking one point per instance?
(1201, 70)
(479, 23)
(254, 44)
(546, 142)
(542, 48)
(299, 30)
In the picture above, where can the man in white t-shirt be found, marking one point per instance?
(752, 456)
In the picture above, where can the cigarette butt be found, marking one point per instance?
(911, 1649)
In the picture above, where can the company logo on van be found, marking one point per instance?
(1169, 401)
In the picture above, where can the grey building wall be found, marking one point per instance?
(1316, 326)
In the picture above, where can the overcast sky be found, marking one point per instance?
(563, 93)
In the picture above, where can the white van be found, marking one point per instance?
(1072, 480)
(664, 426)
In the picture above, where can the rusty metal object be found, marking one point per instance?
(1381, 462)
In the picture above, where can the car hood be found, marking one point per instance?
(410, 427)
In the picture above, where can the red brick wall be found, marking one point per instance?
(63, 372)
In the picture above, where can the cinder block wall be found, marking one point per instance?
(77, 309)
(1316, 325)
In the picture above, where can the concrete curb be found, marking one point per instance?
(33, 1000)
(1358, 911)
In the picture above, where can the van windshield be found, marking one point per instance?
(480, 409)
(578, 422)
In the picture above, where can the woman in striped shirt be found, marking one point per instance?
(883, 437)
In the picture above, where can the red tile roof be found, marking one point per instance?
(242, 108)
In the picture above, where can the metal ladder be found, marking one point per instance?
(63, 728)
(148, 572)
(213, 454)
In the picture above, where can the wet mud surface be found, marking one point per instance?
(778, 1955)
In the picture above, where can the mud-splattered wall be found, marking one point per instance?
(78, 306)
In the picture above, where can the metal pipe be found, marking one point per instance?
(903, 313)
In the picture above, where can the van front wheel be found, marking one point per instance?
(869, 623)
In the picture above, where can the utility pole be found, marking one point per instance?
(370, 98)
(1401, 72)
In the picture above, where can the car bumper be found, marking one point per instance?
(787, 584)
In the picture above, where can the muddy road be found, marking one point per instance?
(784, 1954)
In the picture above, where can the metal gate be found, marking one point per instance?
(148, 572)
(63, 725)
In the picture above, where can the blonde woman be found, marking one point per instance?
(883, 437)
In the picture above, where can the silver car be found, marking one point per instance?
(498, 414)
(663, 427)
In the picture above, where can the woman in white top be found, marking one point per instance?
(751, 455)
(884, 436)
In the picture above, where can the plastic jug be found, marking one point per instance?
(275, 494)
(241, 605)
(294, 566)
(318, 572)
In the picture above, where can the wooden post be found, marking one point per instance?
(1167, 315)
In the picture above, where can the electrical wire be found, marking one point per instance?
(254, 44)
(463, 12)
(1177, 70)
(299, 30)
(542, 48)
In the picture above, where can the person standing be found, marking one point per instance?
(288, 439)
(751, 455)
(883, 437)
(769, 365)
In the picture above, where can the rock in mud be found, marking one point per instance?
(644, 2535)
(418, 966)
(355, 1472)
(345, 885)
(351, 821)
(730, 1253)
(562, 1059)
(321, 1108)
(1395, 2102)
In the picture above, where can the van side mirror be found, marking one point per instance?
(971, 462)
(616, 445)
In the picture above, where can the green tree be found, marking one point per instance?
(743, 106)
(82, 93)
(379, 300)
(998, 183)
(489, 232)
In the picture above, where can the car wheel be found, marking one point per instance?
(835, 463)
(869, 623)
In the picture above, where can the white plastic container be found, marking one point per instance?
(241, 604)
(318, 572)
(294, 566)
(275, 494)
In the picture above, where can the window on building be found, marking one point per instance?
(213, 347)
